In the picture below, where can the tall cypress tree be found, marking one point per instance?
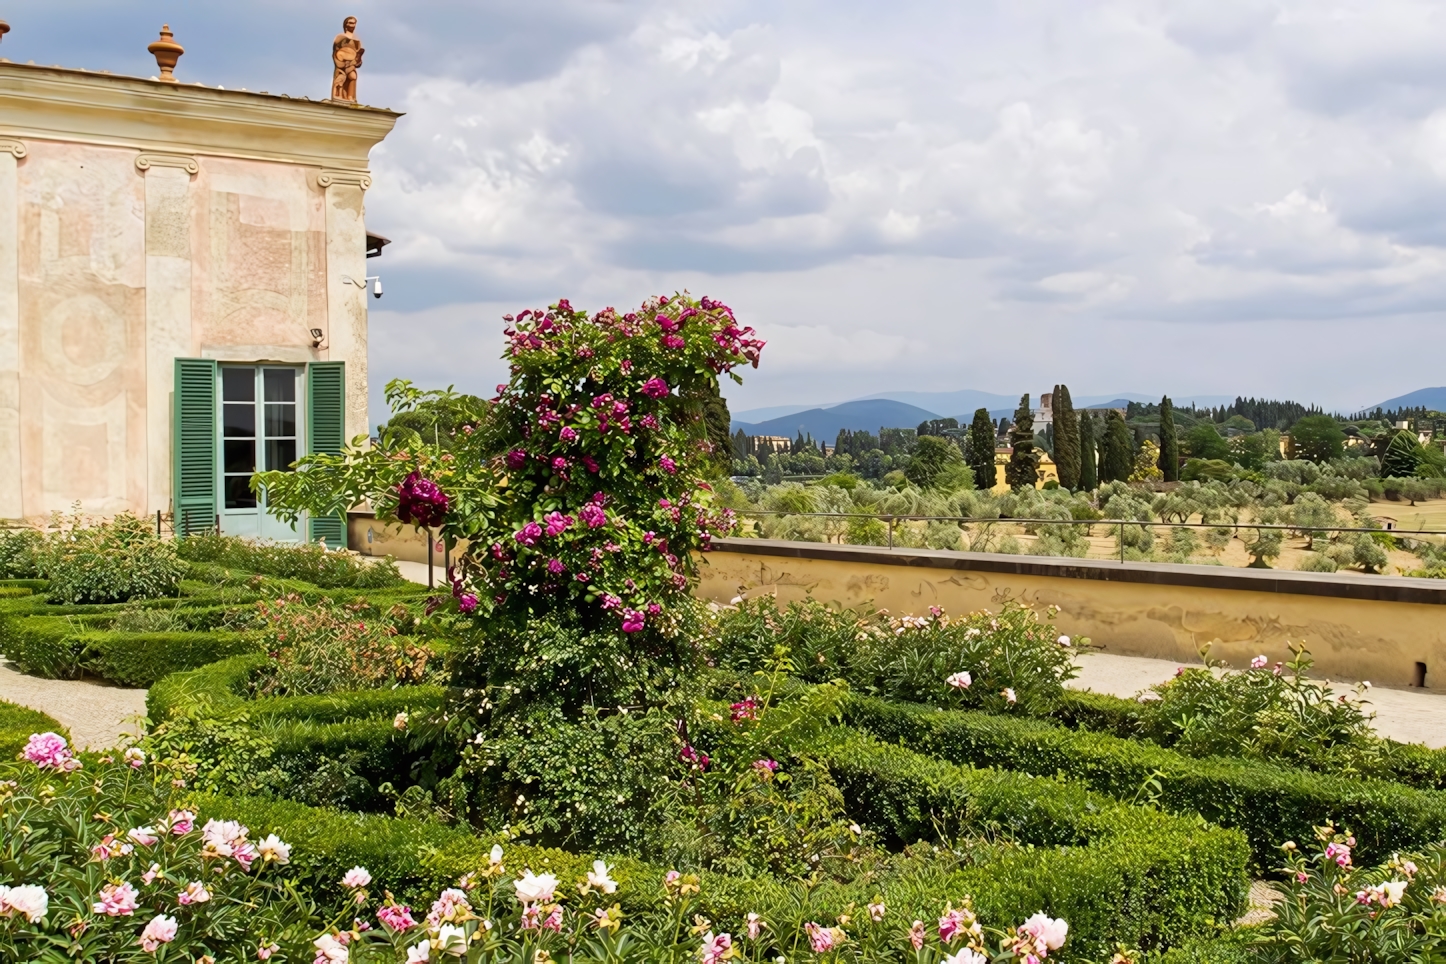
(1066, 438)
(1089, 478)
(1023, 468)
(979, 450)
(1169, 442)
(1117, 455)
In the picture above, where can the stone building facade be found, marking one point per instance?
(171, 254)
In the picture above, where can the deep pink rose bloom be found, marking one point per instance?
(655, 388)
(395, 917)
(466, 602)
(668, 465)
(529, 534)
(557, 523)
(421, 502)
(649, 422)
(556, 567)
(673, 341)
(559, 465)
(568, 435)
(593, 515)
(632, 620)
(590, 463)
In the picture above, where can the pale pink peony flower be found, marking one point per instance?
(1258, 662)
(599, 878)
(160, 930)
(966, 955)
(450, 905)
(117, 900)
(876, 911)
(135, 758)
(356, 877)
(145, 836)
(181, 821)
(916, 934)
(822, 939)
(331, 950)
(715, 950)
(1008, 694)
(48, 751)
(1051, 930)
(151, 874)
(274, 850)
(195, 893)
(960, 680)
(753, 926)
(264, 951)
(396, 918)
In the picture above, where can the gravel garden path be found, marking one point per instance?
(1410, 716)
(95, 713)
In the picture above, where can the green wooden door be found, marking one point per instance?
(326, 433)
(193, 446)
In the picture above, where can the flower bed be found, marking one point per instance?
(1268, 802)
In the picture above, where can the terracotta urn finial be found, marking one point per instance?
(167, 52)
(4, 29)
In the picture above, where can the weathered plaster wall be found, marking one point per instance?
(1349, 638)
(81, 289)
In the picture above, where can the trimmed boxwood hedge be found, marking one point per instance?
(60, 647)
(1271, 804)
(18, 722)
(221, 687)
(1114, 872)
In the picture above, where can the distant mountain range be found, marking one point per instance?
(908, 409)
(1428, 398)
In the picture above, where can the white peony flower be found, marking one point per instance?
(451, 940)
(966, 956)
(274, 850)
(419, 953)
(1393, 890)
(28, 900)
(495, 857)
(535, 888)
(329, 950)
(959, 680)
(598, 878)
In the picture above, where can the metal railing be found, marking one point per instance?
(893, 519)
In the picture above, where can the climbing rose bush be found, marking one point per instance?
(604, 449)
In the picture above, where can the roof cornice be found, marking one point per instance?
(57, 103)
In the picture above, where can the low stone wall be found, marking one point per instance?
(1382, 628)
(366, 535)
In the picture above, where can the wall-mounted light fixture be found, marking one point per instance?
(374, 279)
(316, 338)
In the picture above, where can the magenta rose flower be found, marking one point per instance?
(529, 534)
(593, 515)
(668, 465)
(655, 388)
(568, 435)
(516, 459)
(421, 502)
(557, 523)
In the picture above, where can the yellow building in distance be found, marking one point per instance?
(1047, 470)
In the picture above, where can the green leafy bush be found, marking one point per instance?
(1268, 802)
(1010, 661)
(21, 553)
(141, 659)
(1274, 713)
(114, 560)
(289, 560)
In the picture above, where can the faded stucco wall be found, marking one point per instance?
(1349, 638)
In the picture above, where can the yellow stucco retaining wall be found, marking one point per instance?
(1158, 613)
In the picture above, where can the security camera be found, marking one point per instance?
(376, 287)
(374, 279)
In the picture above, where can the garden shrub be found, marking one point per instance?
(299, 561)
(1269, 803)
(1274, 713)
(21, 553)
(113, 560)
(325, 648)
(1010, 661)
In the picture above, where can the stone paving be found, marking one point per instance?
(96, 714)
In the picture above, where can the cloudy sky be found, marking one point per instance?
(1192, 196)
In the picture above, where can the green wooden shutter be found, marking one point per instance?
(193, 446)
(326, 433)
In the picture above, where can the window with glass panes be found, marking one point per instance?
(258, 421)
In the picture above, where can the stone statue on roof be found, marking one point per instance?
(346, 57)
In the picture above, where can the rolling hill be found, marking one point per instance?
(1429, 398)
(824, 423)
